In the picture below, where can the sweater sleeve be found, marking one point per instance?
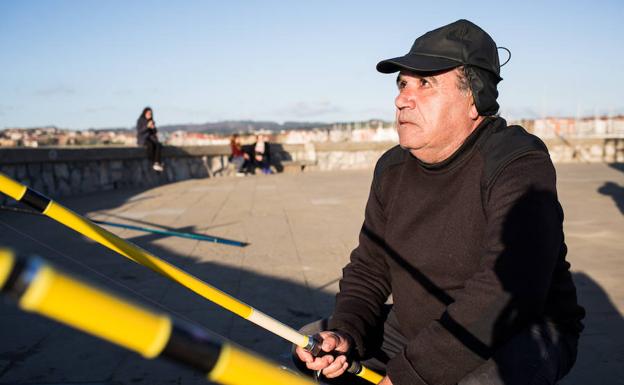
(365, 283)
(523, 242)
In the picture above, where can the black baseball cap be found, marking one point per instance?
(461, 43)
(453, 45)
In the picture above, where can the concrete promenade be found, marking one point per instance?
(300, 229)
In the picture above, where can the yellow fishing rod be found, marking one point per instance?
(40, 288)
(90, 230)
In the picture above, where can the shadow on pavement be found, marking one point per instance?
(601, 348)
(616, 192)
(617, 166)
(36, 350)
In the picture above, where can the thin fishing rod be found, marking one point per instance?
(199, 237)
(40, 288)
(89, 229)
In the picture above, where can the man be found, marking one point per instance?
(463, 228)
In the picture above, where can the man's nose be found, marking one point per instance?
(404, 100)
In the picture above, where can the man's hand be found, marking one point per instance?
(331, 367)
(385, 381)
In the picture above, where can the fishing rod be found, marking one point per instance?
(38, 287)
(199, 237)
(96, 233)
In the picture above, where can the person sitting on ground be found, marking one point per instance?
(463, 230)
(237, 155)
(147, 136)
(262, 154)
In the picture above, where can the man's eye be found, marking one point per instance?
(401, 84)
(424, 82)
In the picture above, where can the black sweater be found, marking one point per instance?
(471, 250)
(144, 133)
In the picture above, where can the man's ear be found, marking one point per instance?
(472, 112)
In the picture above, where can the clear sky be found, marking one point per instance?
(81, 64)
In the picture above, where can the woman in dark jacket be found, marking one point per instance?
(146, 136)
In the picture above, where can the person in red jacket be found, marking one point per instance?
(460, 275)
(237, 156)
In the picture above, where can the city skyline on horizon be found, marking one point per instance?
(298, 125)
(75, 65)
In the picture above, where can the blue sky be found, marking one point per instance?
(82, 64)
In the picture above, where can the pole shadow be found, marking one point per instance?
(617, 166)
(616, 192)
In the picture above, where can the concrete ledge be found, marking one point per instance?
(62, 171)
(353, 146)
(586, 150)
(81, 154)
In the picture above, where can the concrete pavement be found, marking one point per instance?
(301, 228)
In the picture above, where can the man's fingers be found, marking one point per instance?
(330, 342)
(333, 341)
(320, 363)
(336, 368)
(330, 365)
(304, 355)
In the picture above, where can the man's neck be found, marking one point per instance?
(439, 154)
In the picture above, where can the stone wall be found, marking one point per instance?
(65, 171)
(349, 156)
(340, 156)
(586, 150)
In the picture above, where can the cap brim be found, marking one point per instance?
(416, 63)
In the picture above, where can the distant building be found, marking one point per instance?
(366, 131)
(594, 127)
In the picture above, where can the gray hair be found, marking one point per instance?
(463, 84)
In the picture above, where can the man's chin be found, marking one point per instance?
(411, 147)
(407, 145)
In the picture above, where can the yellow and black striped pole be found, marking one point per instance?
(96, 233)
(40, 288)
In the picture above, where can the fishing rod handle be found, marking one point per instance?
(355, 367)
(40, 288)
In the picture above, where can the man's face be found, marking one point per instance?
(433, 115)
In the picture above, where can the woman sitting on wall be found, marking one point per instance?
(146, 136)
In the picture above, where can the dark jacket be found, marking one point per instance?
(471, 249)
(250, 149)
(145, 133)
